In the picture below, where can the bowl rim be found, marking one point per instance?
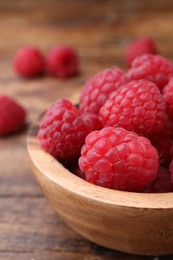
(48, 166)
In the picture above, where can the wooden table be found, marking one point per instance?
(100, 31)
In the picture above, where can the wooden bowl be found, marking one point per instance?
(126, 221)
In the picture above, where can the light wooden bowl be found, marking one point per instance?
(125, 221)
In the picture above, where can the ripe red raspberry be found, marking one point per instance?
(152, 67)
(162, 183)
(118, 159)
(169, 126)
(98, 89)
(78, 172)
(164, 145)
(62, 62)
(171, 171)
(63, 129)
(137, 106)
(29, 62)
(139, 47)
(12, 115)
(168, 97)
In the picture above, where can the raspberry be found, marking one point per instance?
(162, 183)
(169, 126)
(98, 89)
(63, 129)
(171, 171)
(91, 120)
(152, 67)
(29, 62)
(118, 159)
(168, 97)
(137, 106)
(12, 115)
(78, 172)
(62, 62)
(139, 47)
(164, 145)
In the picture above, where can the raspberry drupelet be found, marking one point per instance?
(118, 159)
(12, 115)
(63, 129)
(137, 106)
(138, 47)
(98, 89)
(155, 68)
(29, 62)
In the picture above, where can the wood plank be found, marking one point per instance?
(48, 255)
(29, 226)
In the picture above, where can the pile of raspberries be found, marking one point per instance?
(120, 135)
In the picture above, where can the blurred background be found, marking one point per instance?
(99, 30)
(82, 23)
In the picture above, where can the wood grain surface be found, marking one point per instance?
(100, 31)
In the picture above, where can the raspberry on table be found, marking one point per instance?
(12, 115)
(137, 106)
(62, 62)
(138, 47)
(168, 97)
(162, 183)
(63, 129)
(118, 159)
(98, 89)
(152, 67)
(29, 62)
